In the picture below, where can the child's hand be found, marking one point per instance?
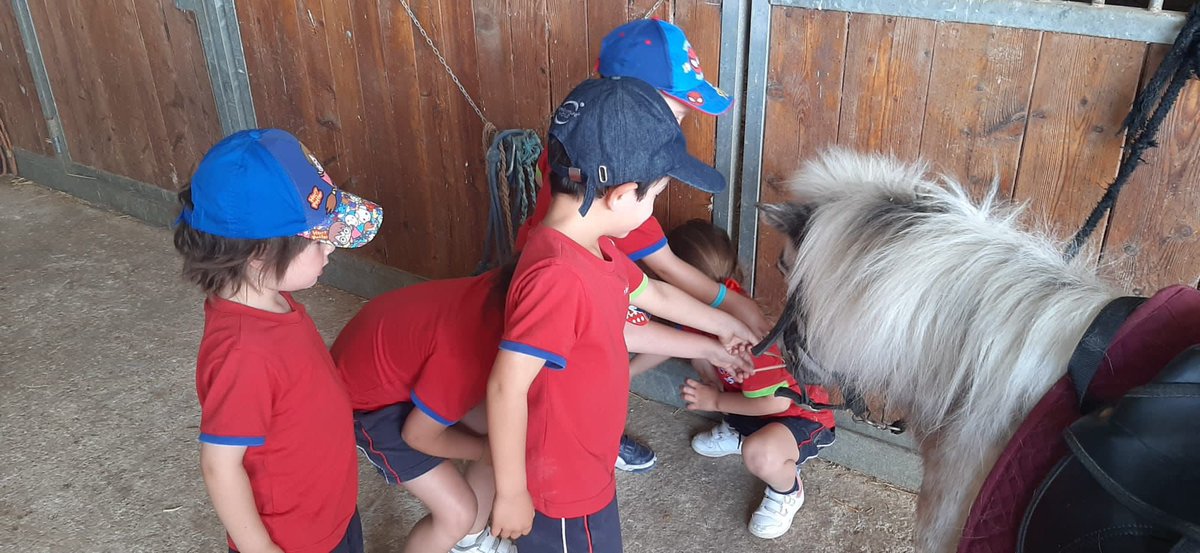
(747, 311)
(736, 363)
(699, 396)
(512, 515)
(736, 336)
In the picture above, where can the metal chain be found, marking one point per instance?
(654, 8)
(417, 23)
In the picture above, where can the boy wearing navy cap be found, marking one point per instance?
(259, 220)
(558, 392)
(659, 53)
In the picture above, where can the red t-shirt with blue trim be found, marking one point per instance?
(567, 306)
(432, 344)
(637, 245)
(266, 381)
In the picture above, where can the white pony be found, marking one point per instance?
(946, 308)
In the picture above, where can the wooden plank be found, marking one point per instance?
(1152, 240)
(530, 63)
(701, 21)
(887, 79)
(979, 92)
(20, 109)
(602, 16)
(568, 49)
(494, 54)
(275, 84)
(1082, 92)
(321, 130)
(804, 83)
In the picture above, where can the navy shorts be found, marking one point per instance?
(599, 532)
(352, 541)
(378, 436)
(810, 435)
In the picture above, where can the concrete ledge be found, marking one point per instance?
(859, 447)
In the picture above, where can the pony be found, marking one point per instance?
(949, 310)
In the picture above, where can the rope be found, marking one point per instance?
(1149, 110)
(513, 183)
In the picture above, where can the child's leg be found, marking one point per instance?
(452, 509)
(771, 454)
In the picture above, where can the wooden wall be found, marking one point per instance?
(20, 109)
(1040, 111)
(358, 84)
(131, 86)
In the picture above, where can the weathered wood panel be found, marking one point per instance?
(1152, 240)
(979, 92)
(20, 109)
(1073, 143)
(887, 78)
(131, 85)
(804, 83)
(357, 82)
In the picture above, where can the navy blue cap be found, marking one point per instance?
(263, 183)
(618, 130)
(660, 54)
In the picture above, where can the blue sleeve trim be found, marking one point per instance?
(644, 252)
(233, 440)
(554, 362)
(429, 411)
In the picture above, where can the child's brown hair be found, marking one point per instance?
(220, 265)
(705, 247)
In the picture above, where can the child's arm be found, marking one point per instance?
(508, 418)
(229, 487)
(669, 302)
(431, 437)
(643, 362)
(683, 275)
(663, 341)
(703, 397)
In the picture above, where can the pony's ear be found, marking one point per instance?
(788, 218)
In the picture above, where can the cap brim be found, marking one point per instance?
(698, 175)
(351, 225)
(705, 97)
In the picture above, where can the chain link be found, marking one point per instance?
(653, 9)
(417, 23)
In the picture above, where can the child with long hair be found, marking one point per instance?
(773, 436)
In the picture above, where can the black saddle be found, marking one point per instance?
(1131, 482)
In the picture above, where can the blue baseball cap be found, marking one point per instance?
(263, 183)
(659, 53)
(618, 130)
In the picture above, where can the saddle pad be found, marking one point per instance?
(1164, 326)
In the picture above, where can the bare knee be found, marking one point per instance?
(759, 456)
(455, 517)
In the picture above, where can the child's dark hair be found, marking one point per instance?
(705, 247)
(220, 265)
(561, 184)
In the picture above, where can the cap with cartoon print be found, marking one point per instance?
(263, 183)
(660, 54)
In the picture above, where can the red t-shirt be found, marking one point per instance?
(639, 243)
(567, 306)
(266, 381)
(433, 344)
(765, 381)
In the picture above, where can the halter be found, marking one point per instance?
(791, 329)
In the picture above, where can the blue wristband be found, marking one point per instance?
(720, 296)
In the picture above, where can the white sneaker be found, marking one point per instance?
(722, 440)
(774, 515)
(484, 542)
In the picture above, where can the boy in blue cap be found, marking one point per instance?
(559, 389)
(660, 54)
(259, 220)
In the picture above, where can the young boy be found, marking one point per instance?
(276, 438)
(658, 53)
(555, 432)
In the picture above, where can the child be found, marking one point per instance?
(416, 362)
(773, 435)
(555, 432)
(276, 438)
(660, 54)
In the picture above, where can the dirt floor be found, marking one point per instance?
(98, 415)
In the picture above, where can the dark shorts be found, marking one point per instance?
(352, 541)
(599, 532)
(810, 435)
(378, 436)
